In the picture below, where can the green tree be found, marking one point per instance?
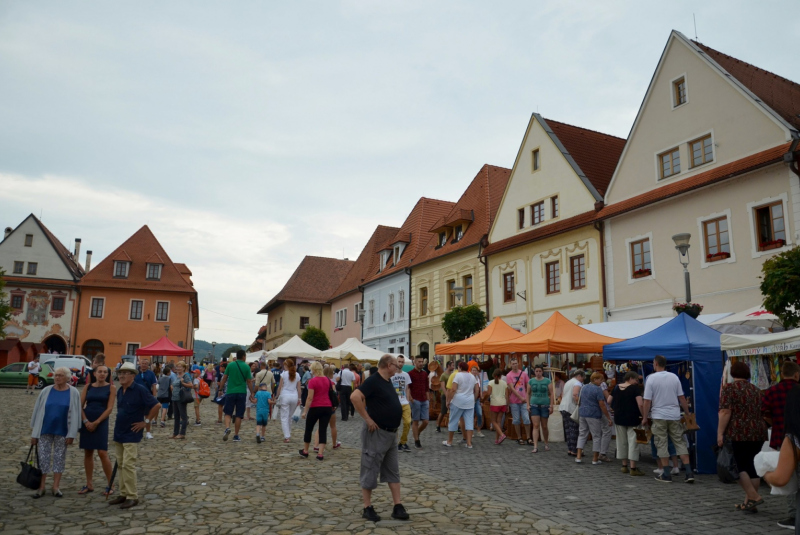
(316, 338)
(5, 306)
(463, 322)
(780, 286)
(231, 350)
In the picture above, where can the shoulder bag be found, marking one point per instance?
(30, 476)
(186, 393)
(333, 397)
(576, 414)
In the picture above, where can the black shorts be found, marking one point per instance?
(745, 452)
(235, 404)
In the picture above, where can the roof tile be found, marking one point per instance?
(368, 258)
(314, 281)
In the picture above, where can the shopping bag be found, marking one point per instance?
(767, 461)
(296, 415)
(727, 471)
(690, 421)
(29, 475)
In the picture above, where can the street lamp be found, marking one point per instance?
(458, 291)
(682, 245)
(213, 355)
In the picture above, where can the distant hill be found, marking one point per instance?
(202, 348)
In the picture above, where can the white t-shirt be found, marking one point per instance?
(663, 389)
(289, 387)
(347, 378)
(567, 403)
(464, 398)
(33, 367)
(400, 381)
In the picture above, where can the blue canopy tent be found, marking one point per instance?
(684, 339)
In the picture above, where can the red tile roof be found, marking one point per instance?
(365, 261)
(481, 198)
(778, 93)
(138, 248)
(595, 153)
(32, 281)
(314, 281)
(66, 257)
(425, 213)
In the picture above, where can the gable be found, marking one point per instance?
(716, 106)
(46, 251)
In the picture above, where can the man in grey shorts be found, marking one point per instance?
(377, 402)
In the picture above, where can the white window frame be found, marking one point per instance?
(401, 311)
(391, 307)
(701, 232)
(130, 308)
(147, 273)
(155, 312)
(751, 207)
(371, 312)
(628, 241)
(673, 104)
(127, 269)
(685, 152)
(137, 344)
(91, 302)
(355, 311)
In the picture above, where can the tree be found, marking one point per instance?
(316, 338)
(780, 286)
(463, 322)
(231, 350)
(5, 307)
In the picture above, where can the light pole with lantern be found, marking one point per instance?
(213, 355)
(682, 245)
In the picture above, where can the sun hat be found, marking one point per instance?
(127, 367)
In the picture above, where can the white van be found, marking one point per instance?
(77, 363)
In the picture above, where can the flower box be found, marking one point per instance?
(773, 244)
(639, 273)
(690, 309)
(717, 256)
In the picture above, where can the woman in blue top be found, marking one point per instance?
(592, 408)
(97, 403)
(540, 405)
(55, 421)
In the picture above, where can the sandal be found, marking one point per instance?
(521, 442)
(108, 492)
(85, 490)
(546, 447)
(502, 438)
(286, 440)
(530, 442)
(752, 504)
(535, 450)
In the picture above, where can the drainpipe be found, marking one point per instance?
(408, 316)
(599, 227)
(360, 319)
(792, 157)
(77, 319)
(485, 261)
(320, 315)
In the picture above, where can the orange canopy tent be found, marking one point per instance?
(497, 331)
(556, 335)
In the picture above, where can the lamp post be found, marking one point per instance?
(458, 291)
(682, 245)
(213, 355)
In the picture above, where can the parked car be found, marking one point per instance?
(17, 375)
(77, 363)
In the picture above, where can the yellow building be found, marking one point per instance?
(545, 252)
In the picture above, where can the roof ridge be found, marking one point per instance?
(583, 128)
(698, 43)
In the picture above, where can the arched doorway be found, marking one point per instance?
(424, 350)
(92, 348)
(55, 343)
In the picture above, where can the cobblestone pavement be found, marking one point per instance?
(204, 486)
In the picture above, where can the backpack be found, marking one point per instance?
(203, 390)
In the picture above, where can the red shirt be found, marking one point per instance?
(772, 405)
(320, 386)
(419, 385)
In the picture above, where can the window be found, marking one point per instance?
(303, 322)
(770, 226)
(137, 306)
(537, 213)
(121, 269)
(423, 301)
(451, 294)
(640, 258)
(18, 266)
(162, 311)
(16, 302)
(702, 151)
(154, 271)
(554, 206)
(535, 163)
(280, 323)
(442, 239)
(356, 309)
(401, 350)
(679, 91)
(670, 163)
(28, 240)
(372, 312)
(521, 218)
(577, 268)
(341, 318)
(269, 328)
(97, 307)
(717, 241)
(391, 307)
(32, 268)
(132, 349)
(58, 304)
(459, 233)
(397, 254)
(508, 287)
(401, 312)
(390, 350)
(553, 277)
(385, 256)
(468, 290)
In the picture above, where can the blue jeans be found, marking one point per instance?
(456, 414)
(479, 412)
(519, 410)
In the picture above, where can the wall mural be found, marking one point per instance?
(38, 303)
(15, 330)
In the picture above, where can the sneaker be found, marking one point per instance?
(438, 429)
(236, 438)
(263, 439)
(149, 436)
(479, 434)
(399, 512)
(162, 425)
(658, 471)
(303, 454)
(418, 444)
(597, 462)
(227, 432)
(664, 478)
(447, 444)
(578, 460)
(406, 449)
(370, 514)
(258, 439)
(625, 470)
(676, 471)
(197, 423)
(468, 446)
(636, 472)
(689, 477)
(787, 523)
(399, 447)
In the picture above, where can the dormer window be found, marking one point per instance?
(442, 238)
(121, 269)
(459, 233)
(385, 256)
(398, 250)
(154, 271)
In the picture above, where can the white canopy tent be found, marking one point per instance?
(634, 328)
(255, 356)
(352, 347)
(739, 345)
(755, 316)
(295, 347)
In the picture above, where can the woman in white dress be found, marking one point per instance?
(288, 397)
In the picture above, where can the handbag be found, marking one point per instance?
(576, 414)
(30, 476)
(186, 394)
(333, 397)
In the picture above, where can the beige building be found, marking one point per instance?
(707, 155)
(450, 261)
(544, 252)
(304, 300)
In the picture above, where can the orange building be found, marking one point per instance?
(132, 298)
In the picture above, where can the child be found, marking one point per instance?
(262, 400)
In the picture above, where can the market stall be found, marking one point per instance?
(164, 347)
(352, 349)
(763, 353)
(686, 342)
(497, 331)
(295, 347)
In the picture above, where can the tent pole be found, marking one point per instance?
(694, 407)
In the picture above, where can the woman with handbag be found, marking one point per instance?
(288, 397)
(569, 402)
(592, 410)
(626, 401)
(181, 396)
(318, 408)
(327, 371)
(55, 422)
(97, 403)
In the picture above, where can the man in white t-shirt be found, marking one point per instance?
(346, 378)
(33, 374)
(401, 382)
(663, 399)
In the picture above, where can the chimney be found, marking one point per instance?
(77, 253)
(88, 261)
(9, 230)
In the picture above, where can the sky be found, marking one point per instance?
(249, 134)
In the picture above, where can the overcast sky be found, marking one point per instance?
(249, 134)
